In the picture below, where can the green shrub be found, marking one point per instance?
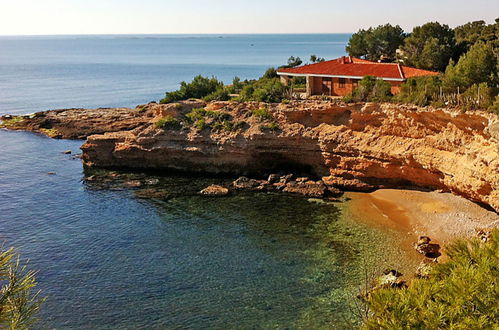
(370, 89)
(494, 108)
(478, 97)
(200, 124)
(299, 82)
(270, 74)
(461, 293)
(262, 114)
(265, 90)
(195, 115)
(168, 122)
(221, 94)
(199, 87)
(273, 126)
(420, 90)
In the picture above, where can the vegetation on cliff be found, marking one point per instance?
(266, 89)
(18, 304)
(461, 293)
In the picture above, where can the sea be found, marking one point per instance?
(107, 259)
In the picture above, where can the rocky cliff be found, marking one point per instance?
(351, 147)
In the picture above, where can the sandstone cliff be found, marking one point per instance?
(351, 147)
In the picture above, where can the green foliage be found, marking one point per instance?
(200, 124)
(293, 62)
(470, 33)
(237, 85)
(264, 90)
(270, 73)
(199, 87)
(478, 96)
(477, 66)
(429, 46)
(461, 293)
(262, 114)
(376, 43)
(168, 122)
(299, 82)
(221, 94)
(419, 90)
(370, 89)
(18, 305)
(316, 59)
(273, 126)
(494, 108)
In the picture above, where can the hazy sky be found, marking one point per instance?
(231, 16)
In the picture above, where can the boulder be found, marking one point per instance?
(215, 190)
(426, 248)
(244, 183)
(309, 188)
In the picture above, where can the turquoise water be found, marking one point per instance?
(107, 259)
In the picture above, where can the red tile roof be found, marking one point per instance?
(355, 67)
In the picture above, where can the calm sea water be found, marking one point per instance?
(107, 259)
(40, 73)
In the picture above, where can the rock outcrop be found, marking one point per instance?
(351, 147)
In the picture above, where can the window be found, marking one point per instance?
(342, 82)
(355, 83)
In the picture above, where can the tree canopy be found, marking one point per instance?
(429, 46)
(479, 65)
(379, 43)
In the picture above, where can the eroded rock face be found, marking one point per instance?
(351, 147)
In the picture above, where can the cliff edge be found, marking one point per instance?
(357, 147)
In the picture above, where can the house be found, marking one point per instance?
(341, 76)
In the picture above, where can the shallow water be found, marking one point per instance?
(107, 259)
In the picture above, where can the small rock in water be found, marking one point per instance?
(215, 190)
(152, 182)
(67, 152)
(132, 184)
(245, 183)
(274, 178)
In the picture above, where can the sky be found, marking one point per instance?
(41, 17)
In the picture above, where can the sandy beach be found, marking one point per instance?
(441, 216)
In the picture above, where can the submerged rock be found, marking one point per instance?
(215, 190)
(152, 194)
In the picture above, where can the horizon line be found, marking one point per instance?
(138, 34)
